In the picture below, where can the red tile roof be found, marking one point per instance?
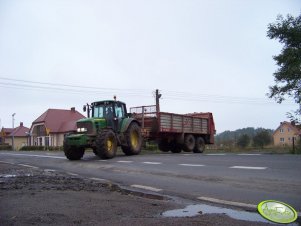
(58, 120)
(20, 131)
(288, 124)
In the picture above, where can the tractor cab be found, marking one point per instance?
(110, 110)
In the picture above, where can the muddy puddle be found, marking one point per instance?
(195, 210)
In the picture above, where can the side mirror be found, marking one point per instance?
(85, 108)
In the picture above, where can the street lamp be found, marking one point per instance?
(13, 138)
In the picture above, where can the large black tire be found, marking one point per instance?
(73, 152)
(164, 145)
(106, 144)
(175, 147)
(189, 143)
(134, 140)
(199, 145)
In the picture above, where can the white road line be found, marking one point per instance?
(28, 166)
(215, 154)
(191, 165)
(248, 167)
(146, 187)
(97, 179)
(7, 162)
(186, 154)
(72, 174)
(220, 201)
(49, 170)
(152, 163)
(249, 154)
(125, 161)
(39, 156)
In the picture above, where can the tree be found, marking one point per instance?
(262, 138)
(288, 76)
(243, 141)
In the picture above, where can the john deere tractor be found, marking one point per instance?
(108, 126)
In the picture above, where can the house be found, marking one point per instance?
(18, 136)
(285, 133)
(50, 128)
(4, 135)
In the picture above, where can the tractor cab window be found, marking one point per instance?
(98, 111)
(119, 110)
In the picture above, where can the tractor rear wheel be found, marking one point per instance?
(189, 143)
(73, 152)
(134, 140)
(106, 144)
(199, 145)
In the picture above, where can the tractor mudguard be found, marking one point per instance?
(125, 124)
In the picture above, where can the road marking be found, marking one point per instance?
(249, 154)
(39, 156)
(28, 166)
(97, 179)
(187, 154)
(72, 174)
(125, 161)
(225, 202)
(248, 167)
(152, 163)
(7, 162)
(191, 165)
(49, 170)
(215, 154)
(146, 187)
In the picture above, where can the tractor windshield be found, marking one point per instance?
(103, 111)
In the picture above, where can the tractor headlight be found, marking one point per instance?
(82, 130)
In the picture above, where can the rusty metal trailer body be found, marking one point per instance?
(174, 132)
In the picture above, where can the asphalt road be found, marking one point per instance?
(245, 179)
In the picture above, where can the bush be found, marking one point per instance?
(41, 148)
(6, 147)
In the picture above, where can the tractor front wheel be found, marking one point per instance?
(106, 144)
(73, 152)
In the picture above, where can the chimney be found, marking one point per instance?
(21, 124)
(73, 109)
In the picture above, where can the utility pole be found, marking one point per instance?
(13, 138)
(158, 96)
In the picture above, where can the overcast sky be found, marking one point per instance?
(203, 56)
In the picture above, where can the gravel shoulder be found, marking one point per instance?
(31, 196)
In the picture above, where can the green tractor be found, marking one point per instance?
(108, 127)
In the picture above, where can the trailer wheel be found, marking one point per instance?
(73, 153)
(189, 143)
(164, 145)
(199, 145)
(106, 144)
(134, 140)
(176, 147)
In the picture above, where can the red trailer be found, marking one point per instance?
(174, 132)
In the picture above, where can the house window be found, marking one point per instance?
(281, 131)
(288, 129)
(289, 139)
(281, 139)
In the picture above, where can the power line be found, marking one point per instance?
(171, 95)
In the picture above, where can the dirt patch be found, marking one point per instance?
(37, 197)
